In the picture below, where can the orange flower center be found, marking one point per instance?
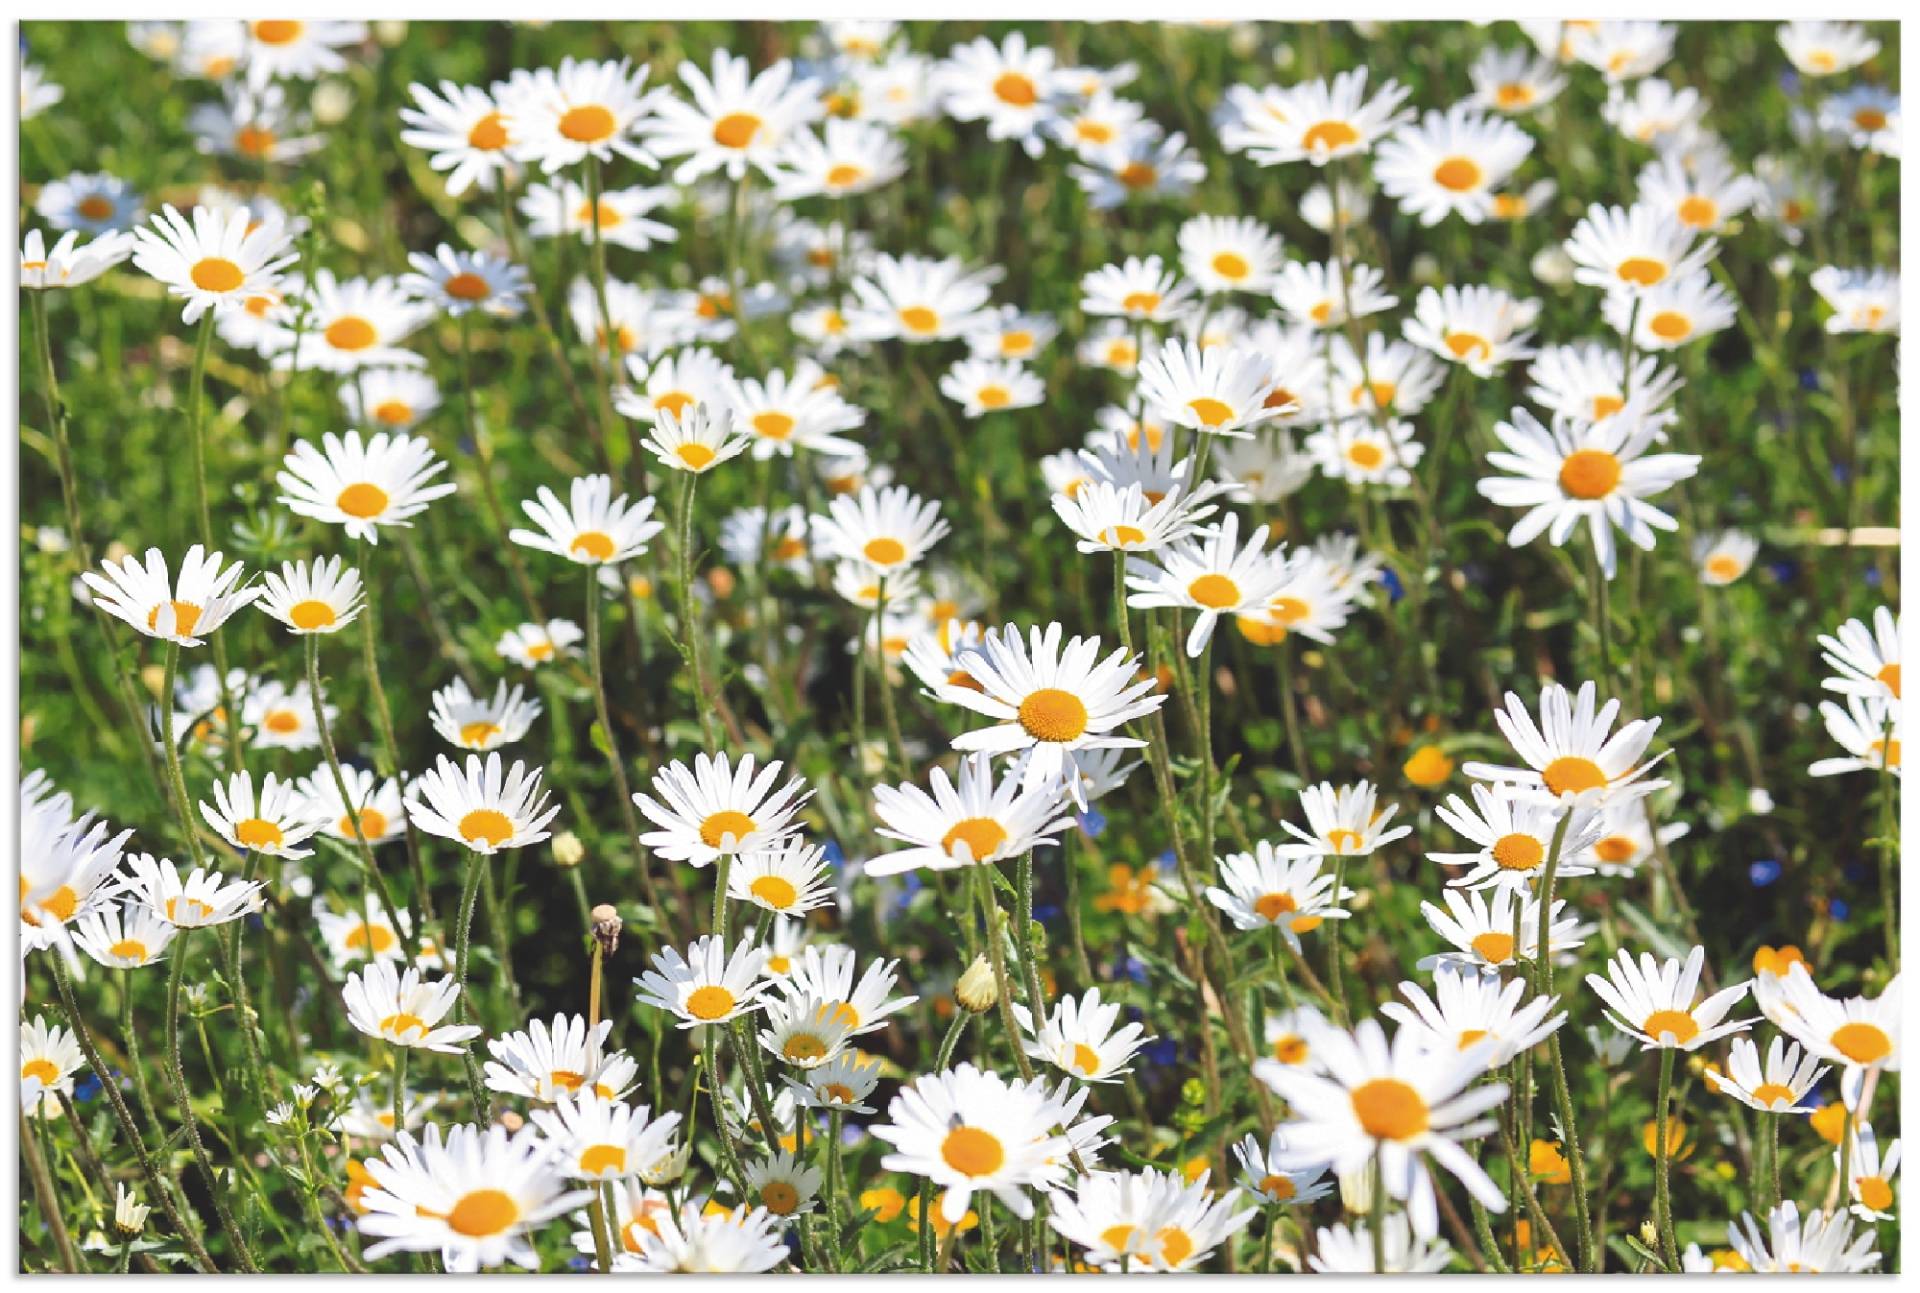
(1572, 774)
(736, 130)
(1862, 1043)
(1389, 1109)
(1050, 714)
(587, 125)
(1517, 852)
(312, 614)
(489, 134)
(483, 1212)
(1458, 174)
(185, 616)
(1678, 1022)
(258, 833)
(468, 287)
(983, 837)
(351, 332)
(1640, 270)
(972, 1152)
(1013, 88)
(716, 828)
(362, 500)
(710, 1002)
(487, 824)
(593, 544)
(1329, 135)
(216, 274)
(1589, 473)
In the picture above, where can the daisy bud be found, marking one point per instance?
(568, 851)
(1648, 1235)
(129, 1215)
(153, 678)
(976, 990)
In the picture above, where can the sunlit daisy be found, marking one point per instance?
(278, 717)
(1471, 1006)
(697, 440)
(1587, 381)
(1482, 329)
(694, 1242)
(50, 1056)
(788, 879)
(827, 974)
(1312, 121)
(792, 411)
(1450, 163)
(1866, 662)
(1510, 81)
(362, 485)
(1868, 729)
(1481, 933)
(719, 807)
(479, 806)
(203, 898)
(360, 936)
(983, 386)
(199, 601)
(1009, 86)
(596, 1139)
(841, 1084)
(1859, 1032)
(1673, 313)
(1211, 575)
(1631, 251)
(1787, 1079)
(1570, 756)
(68, 263)
(1269, 1184)
(1266, 889)
(533, 645)
(1359, 452)
(584, 109)
(1824, 1244)
(1820, 48)
(1862, 300)
(967, 1130)
(918, 299)
(1079, 1038)
(1143, 291)
(478, 723)
(1343, 1250)
(977, 820)
(706, 986)
(547, 1061)
(274, 822)
(1624, 50)
(123, 936)
(1653, 1001)
(845, 158)
(321, 597)
(1315, 295)
(92, 204)
(1515, 836)
(1871, 1173)
(464, 131)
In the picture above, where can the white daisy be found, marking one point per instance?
(402, 1009)
(476, 723)
(977, 820)
(1472, 1006)
(1211, 575)
(199, 601)
(274, 822)
(696, 441)
(1514, 837)
(1570, 757)
(1143, 291)
(1482, 329)
(584, 109)
(706, 986)
(464, 130)
(321, 597)
(1312, 121)
(69, 264)
(1222, 391)
(983, 386)
(968, 1130)
(918, 299)
(789, 879)
(533, 645)
(1451, 163)
(719, 808)
(479, 806)
(1789, 1076)
(1653, 1001)
(1868, 729)
(362, 485)
(1078, 1037)
(204, 898)
(737, 119)
(1009, 86)
(547, 1061)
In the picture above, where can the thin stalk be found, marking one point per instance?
(1662, 1188)
(615, 763)
(489, 490)
(177, 1078)
(997, 958)
(689, 631)
(462, 936)
(44, 1192)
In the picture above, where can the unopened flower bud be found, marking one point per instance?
(606, 928)
(568, 850)
(129, 1215)
(1648, 1234)
(976, 991)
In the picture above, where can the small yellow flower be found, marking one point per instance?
(1778, 960)
(1679, 1146)
(884, 1202)
(1429, 766)
(1830, 1120)
(1546, 1161)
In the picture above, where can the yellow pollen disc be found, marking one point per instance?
(715, 829)
(1605, 406)
(842, 1012)
(1050, 714)
(95, 207)
(600, 1159)
(1015, 344)
(1138, 175)
(1697, 212)
(185, 616)
(1493, 947)
(779, 1198)
(1670, 325)
(773, 425)
(789, 548)
(1214, 591)
(1228, 265)
(483, 1212)
(919, 319)
(1571, 774)
(983, 837)
(1276, 1187)
(710, 1002)
(129, 949)
(695, 455)
(838, 1092)
(1468, 1036)
(567, 1079)
(351, 332)
(993, 397)
(1870, 119)
(1389, 1109)
(592, 544)
(42, 1069)
(1140, 302)
(1889, 677)
(1291, 1049)
(393, 413)
(587, 125)
(1678, 1022)
(674, 402)
(845, 175)
(283, 721)
(804, 1046)
(467, 287)
(195, 909)
(1517, 852)
(1773, 1093)
(1365, 456)
(216, 274)
(258, 833)
(1874, 1192)
(1093, 132)
(362, 500)
(1121, 536)
(1321, 312)
(1012, 87)
(1329, 135)
(1272, 906)
(489, 134)
(1589, 473)
(277, 31)
(1861, 1042)
(736, 130)
(1341, 839)
(1211, 412)
(402, 1024)
(775, 891)
(1640, 270)
(1514, 94)
(487, 824)
(253, 141)
(476, 735)
(1458, 174)
(360, 935)
(312, 615)
(972, 1152)
(1307, 924)
(1085, 1059)
(1260, 632)
(1615, 849)
(1176, 1245)
(1468, 346)
(1118, 1237)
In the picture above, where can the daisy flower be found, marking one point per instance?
(1212, 575)
(1312, 121)
(1655, 112)
(789, 412)
(691, 1241)
(297, 50)
(1220, 391)
(1314, 295)
(474, 1197)
(595, 1139)
(585, 109)
(1600, 473)
(1481, 932)
(1389, 1104)
(1630, 251)
(465, 132)
(976, 821)
(402, 1009)
(215, 261)
(360, 936)
(1624, 51)
(1009, 86)
(199, 601)
(362, 485)
(1111, 1215)
(859, 584)
(887, 529)
(394, 399)
(92, 204)
(123, 936)
(706, 986)
(983, 386)
(37, 93)
(1482, 329)
(594, 528)
(351, 324)
(1051, 700)
(1342, 821)
(696, 441)
(1472, 1006)
(1824, 1245)
(319, 597)
(273, 823)
(1143, 291)
(1097, 125)
(932, 655)
(1078, 1037)
(1510, 81)
(1788, 1077)
(68, 264)
(1110, 345)
(1724, 556)
(1866, 662)
(475, 723)
(748, 538)
(719, 808)
(1872, 1172)
(1011, 333)
(1313, 600)
(846, 158)
(279, 717)
(1451, 163)
(460, 281)
(639, 328)
(1270, 1184)
(1226, 254)
(1868, 729)
(1569, 755)
(532, 645)
(1862, 300)
(1395, 377)
(1703, 196)
(1267, 889)
(782, 1184)
(1653, 1001)
(1142, 166)
(804, 1031)
(1109, 517)
(547, 1061)
(66, 864)
(693, 380)
(1819, 48)
(253, 123)
(478, 806)
(50, 1056)
(841, 1084)
(1513, 837)
(1298, 367)
(1673, 313)
(1587, 382)
(967, 1130)
(826, 974)
(622, 218)
(204, 898)
(1860, 1032)
(736, 120)
(1866, 116)
(1340, 1250)
(917, 299)
(1263, 468)
(789, 879)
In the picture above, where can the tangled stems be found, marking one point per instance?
(483, 449)
(1889, 848)
(997, 958)
(44, 1192)
(622, 790)
(175, 780)
(177, 1080)
(1562, 1094)
(421, 901)
(689, 632)
(462, 936)
(1662, 1191)
(197, 448)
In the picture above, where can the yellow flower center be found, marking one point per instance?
(1468, 1036)
(710, 1002)
(483, 1212)
(804, 1046)
(1615, 849)
(277, 32)
(993, 397)
(1290, 1049)
(1211, 412)
(1774, 1094)
(1050, 714)
(1176, 1245)
(216, 274)
(973, 1152)
(1138, 175)
(1272, 906)
(1698, 212)
(362, 500)
(1389, 1109)
(1513, 94)
(1016, 89)
(1678, 1022)
(311, 615)
(476, 735)
(1517, 852)
(1329, 135)
(600, 1159)
(593, 544)
(351, 332)
(1723, 567)
(845, 175)
(1468, 346)
(587, 124)
(1870, 119)
(983, 837)
(258, 833)
(1341, 839)
(283, 721)
(1458, 174)
(1862, 1043)
(1229, 265)
(1640, 270)
(779, 1198)
(129, 949)
(1571, 774)
(361, 935)
(1493, 947)
(399, 1025)
(1874, 1192)
(489, 134)
(694, 454)
(1214, 591)
(185, 616)
(775, 891)
(393, 413)
(1140, 302)
(736, 130)
(196, 910)
(1118, 1237)
(919, 319)
(253, 141)
(773, 425)
(1670, 325)
(42, 1069)
(1276, 1187)
(488, 824)
(1365, 456)
(1085, 1059)
(717, 827)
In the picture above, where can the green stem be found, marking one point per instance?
(462, 937)
(178, 1081)
(689, 630)
(997, 957)
(49, 1201)
(1662, 1188)
(182, 806)
(615, 763)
